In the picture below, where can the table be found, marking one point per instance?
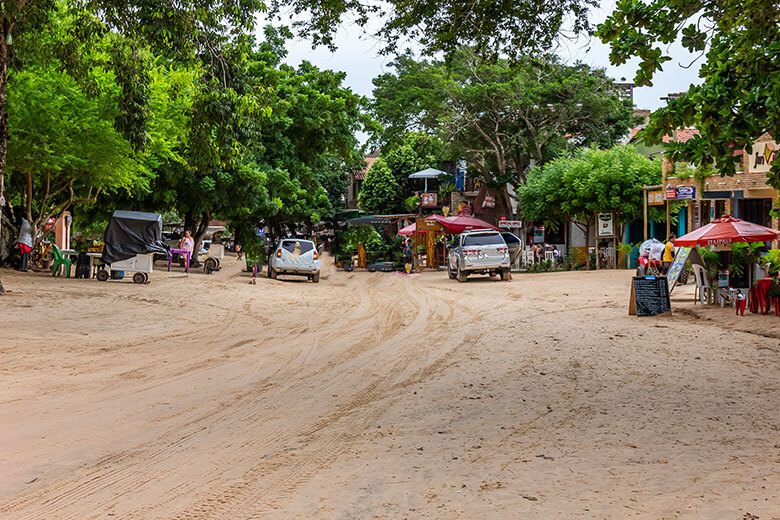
(92, 256)
(185, 252)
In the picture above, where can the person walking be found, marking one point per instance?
(668, 253)
(25, 242)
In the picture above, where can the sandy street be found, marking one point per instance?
(375, 395)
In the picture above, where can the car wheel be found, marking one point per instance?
(316, 277)
(505, 275)
(210, 265)
(462, 277)
(272, 274)
(139, 278)
(102, 275)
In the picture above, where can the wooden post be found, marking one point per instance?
(668, 219)
(596, 238)
(644, 215)
(431, 252)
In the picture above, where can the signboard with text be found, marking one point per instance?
(605, 225)
(655, 198)
(510, 223)
(539, 235)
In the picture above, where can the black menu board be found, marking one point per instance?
(649, 296)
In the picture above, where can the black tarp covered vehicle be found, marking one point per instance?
(131, 240)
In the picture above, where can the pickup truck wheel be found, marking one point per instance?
(271, 273)
(505, 275)
(452, 274)
(316, 277)
(462, 277)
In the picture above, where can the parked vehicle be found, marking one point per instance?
(295, 256)
(131, 240)
(479, 251)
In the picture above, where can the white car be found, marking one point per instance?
(296, 257)
(481, 251)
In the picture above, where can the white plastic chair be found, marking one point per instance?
(703, 291)
(549, 255)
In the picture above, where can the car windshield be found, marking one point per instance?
(483, 240)
(289, 245)
(509, 238)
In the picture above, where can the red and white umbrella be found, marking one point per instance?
(727, 230)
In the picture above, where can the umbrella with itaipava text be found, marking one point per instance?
(725, 231)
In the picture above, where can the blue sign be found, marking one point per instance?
(460, 176)
(686, 192)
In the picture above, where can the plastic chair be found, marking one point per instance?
(60, 260)
(703, 291)
(549, 256)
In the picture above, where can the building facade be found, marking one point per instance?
(745, 195)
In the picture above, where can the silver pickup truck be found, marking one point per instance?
(481, 251)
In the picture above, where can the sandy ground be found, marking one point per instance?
(374, 395)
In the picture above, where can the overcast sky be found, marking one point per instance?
(358, 56)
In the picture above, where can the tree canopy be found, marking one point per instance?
(503, 117)
(493, 28)
(739, 97)
(575, 187)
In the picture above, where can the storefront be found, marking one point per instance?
(744, 195)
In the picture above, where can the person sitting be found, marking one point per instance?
(187, 243)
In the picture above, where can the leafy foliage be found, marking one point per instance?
(739, 98)
(494, 28)
(503, 116)
(380, 193)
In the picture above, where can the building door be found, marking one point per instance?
(757, 211)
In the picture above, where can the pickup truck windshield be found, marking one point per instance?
(483, 240)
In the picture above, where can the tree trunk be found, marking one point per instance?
(197, 236)
(6, 27)
(587, 246)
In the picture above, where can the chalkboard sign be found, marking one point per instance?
(649, 296)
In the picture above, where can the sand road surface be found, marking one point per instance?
(375, 395)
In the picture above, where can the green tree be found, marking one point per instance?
(739, 97)
(574, 188)
(494, 28)
(64, 149)
(504, 117)
(380, 193)
(416, 151)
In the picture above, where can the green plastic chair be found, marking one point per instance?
(59, 260)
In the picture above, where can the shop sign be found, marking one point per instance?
(655, 198)
(671, 193)
(606, 229)
(429, 200)
(539, 235)
(763, 155)
(425, 225)
(503, 223)
(685, 192)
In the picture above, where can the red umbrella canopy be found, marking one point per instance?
(726, 230)
(461, 223)
(411, 229)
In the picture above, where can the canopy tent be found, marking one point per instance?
(727, 230)
(428, 173)
(131, 233)
(460, 223)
